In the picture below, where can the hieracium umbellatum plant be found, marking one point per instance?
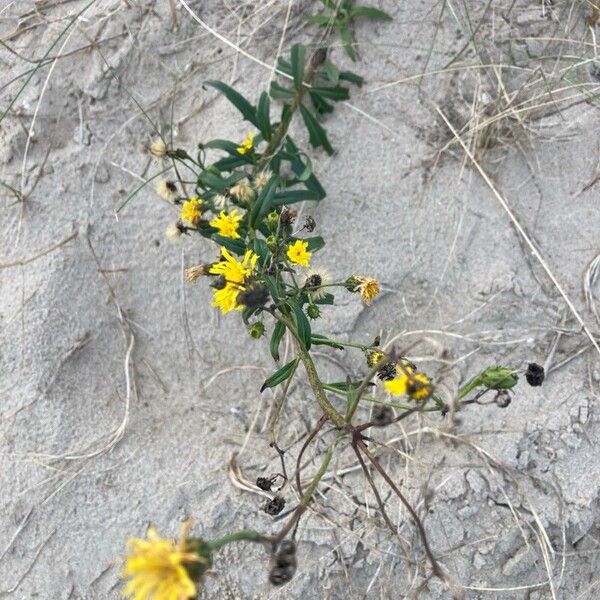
(266, 268)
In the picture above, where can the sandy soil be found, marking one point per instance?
(123, 394)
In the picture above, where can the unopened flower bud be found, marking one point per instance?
(257, 330)
(499, 378)
(272, 220)
(313, 311)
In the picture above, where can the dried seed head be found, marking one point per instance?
(174, 232)
(264, 483)
(194, 273)
(221, 202)
(387, 372)
(288, 215)
(158, 148)
(262, 179)
(274, 506)
(167, 190)
(535, 374)
(242, 191)
(310, 224)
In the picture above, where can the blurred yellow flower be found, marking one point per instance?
(190, 211)
(227, 224)
(234, 274)
(156, 569)
(298, 253)
(416, 385)
(368, 288)
(247, 145)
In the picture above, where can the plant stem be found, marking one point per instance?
(469, 386)
(247, 535)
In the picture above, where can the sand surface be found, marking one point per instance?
(124, 394)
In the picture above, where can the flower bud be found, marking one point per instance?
(256, 330)
(273, 220)
(499, 378)
(313, 311)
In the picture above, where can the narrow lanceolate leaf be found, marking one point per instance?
(352, 78)
(321, 340)
(236, 246)
(278, 92)
(315, 243)
(292, 196)
(264, 201)
(263, 116)
(312, 183)
(316, 133)
(248, 111)
(281, 375)
(302, 324)
(370, 12)
(336, 93)
(346, 37)
(297, 55)
(276, 337)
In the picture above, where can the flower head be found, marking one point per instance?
(190, 211)
(227, 224)
(242, 191)
(406, 383)
(193, 273)
(167, 190)
(234, 274)
(366, 286)
(174, 231)
(262, 179)
(298, 253)
(158, 148)
(315, 282)
(158, 568)
(247, 145)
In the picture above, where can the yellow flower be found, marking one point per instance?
(227, 224)
(366, 286)
(416, 385)
(190, 211)
(298, 253)
(156, 569)
(375, 357)
(234, 274)
(247, 145)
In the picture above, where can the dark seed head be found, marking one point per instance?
(288, 215)
(285, 563)
(503, 399)
(264, 483)
(387, 372)
(382, 416)
(534, 374)
(219, 283)
(254, 296)
(313, 281)
(274, 506)
(310, 224)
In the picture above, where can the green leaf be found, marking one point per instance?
(321, 340)
(312, 183)
(278, 92)
(337, 93)
(248, 111)
(320, 19)
(321, 106)
(293, 196)
(302, 324)
(315, 243)
(347, 41)
(226, 145)
(298, 53)
(280, 375)
(331, 72)
(341, 387)
(370, 12)
(236, 246)
(263, 116)
(247, 313)
(352, 78)
(264, 201)
(316, 133)
(261, 248)
(325, 299)
(284, 66)
(276, 337)
(232, 162)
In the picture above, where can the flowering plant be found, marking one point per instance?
(263, 268)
